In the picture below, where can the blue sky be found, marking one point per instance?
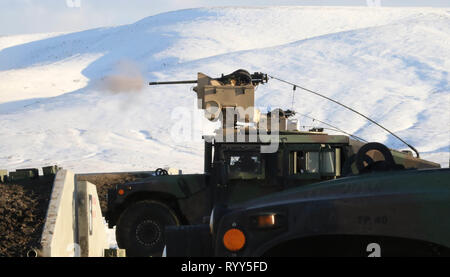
(38, 16)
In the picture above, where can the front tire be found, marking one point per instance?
(140, 228)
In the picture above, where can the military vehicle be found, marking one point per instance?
(252, 155)
(395, 213)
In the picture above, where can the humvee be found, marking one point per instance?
(382, 214)
(240, 165)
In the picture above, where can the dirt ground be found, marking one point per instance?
(23, 207)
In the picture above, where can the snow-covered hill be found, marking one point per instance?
(390, 63)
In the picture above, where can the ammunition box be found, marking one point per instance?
(50, 170)
(24, 174)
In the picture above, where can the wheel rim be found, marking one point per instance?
(148, 233)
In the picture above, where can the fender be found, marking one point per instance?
(173, 187)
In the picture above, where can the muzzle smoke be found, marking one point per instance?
(126, 77)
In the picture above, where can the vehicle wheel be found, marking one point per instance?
(387, 163)
(140, 228)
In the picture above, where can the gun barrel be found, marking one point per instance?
(173, 82)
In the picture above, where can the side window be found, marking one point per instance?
(244, 166)
(312, 162)
(303, 162)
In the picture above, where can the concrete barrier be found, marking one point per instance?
(92, 236)
(59, 237)
(3, 175)
(74, 223)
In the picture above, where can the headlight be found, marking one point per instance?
(268, 220)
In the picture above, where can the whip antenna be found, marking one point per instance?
(347, 107)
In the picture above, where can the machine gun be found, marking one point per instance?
(235, 91)
(240, 77)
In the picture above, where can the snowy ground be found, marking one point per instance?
(111, 234)
(390, 63)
